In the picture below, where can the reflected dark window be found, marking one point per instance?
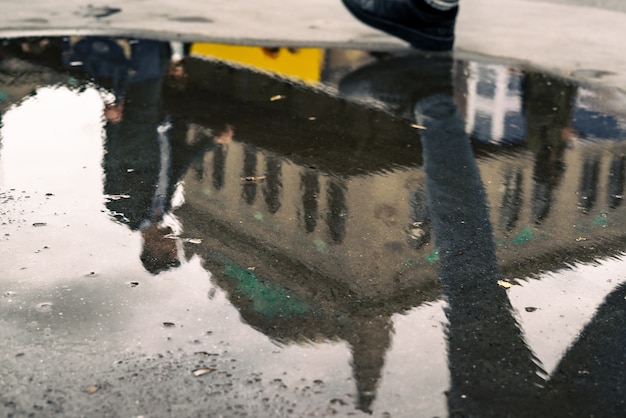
(249, 188)
(310, 186)
(219, 167)
(273, 184)
(338, 210)
(588, 190)
(511, 200)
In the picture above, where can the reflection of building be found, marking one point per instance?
(329, 251)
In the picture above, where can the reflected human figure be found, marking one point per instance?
(493, 372)
(146, 152)
(483, 336)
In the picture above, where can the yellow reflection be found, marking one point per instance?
(302, 63)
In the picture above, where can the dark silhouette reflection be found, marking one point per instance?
(137, 162)
(337, 210)
(310, 186)
(493, 372)
(273, 184)
(547, 103)
(146, 152)
(249, 186)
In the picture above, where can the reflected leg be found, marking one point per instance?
(493, 372)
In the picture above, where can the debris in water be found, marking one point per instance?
(189, 240)
(504, 284)
(169, 324)
(117, 196)
(44, 307)
(91, 389)
(580, 239)
(415, 126)
(530, 309)
(202, 371)
(253, 178)
(277, 97)
(37, 224)
(134, 284)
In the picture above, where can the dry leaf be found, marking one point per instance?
(253, 178)
(202, 371)
(91, 389)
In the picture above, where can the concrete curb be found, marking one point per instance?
(581, 42)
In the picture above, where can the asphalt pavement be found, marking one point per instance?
(581, 38)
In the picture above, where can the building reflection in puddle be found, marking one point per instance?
(341, 240)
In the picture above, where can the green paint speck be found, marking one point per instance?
(268, 300)
(434, 256)
(600, 219)
(321, 246)
(524, 236)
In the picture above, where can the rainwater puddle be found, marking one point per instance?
(293, 232)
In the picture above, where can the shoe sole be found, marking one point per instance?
(417, 39)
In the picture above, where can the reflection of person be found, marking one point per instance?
(493, 372)
(425, 24)
(116, 64)
(483, 336)
(146, 153)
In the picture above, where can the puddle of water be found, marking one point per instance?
(279, 227)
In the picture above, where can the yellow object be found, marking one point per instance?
(302, 63)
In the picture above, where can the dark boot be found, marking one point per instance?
(414, 21)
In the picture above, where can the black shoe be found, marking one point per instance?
(421, 26)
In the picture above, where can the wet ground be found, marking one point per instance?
(306, 232)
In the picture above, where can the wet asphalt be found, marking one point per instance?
(397, 235)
